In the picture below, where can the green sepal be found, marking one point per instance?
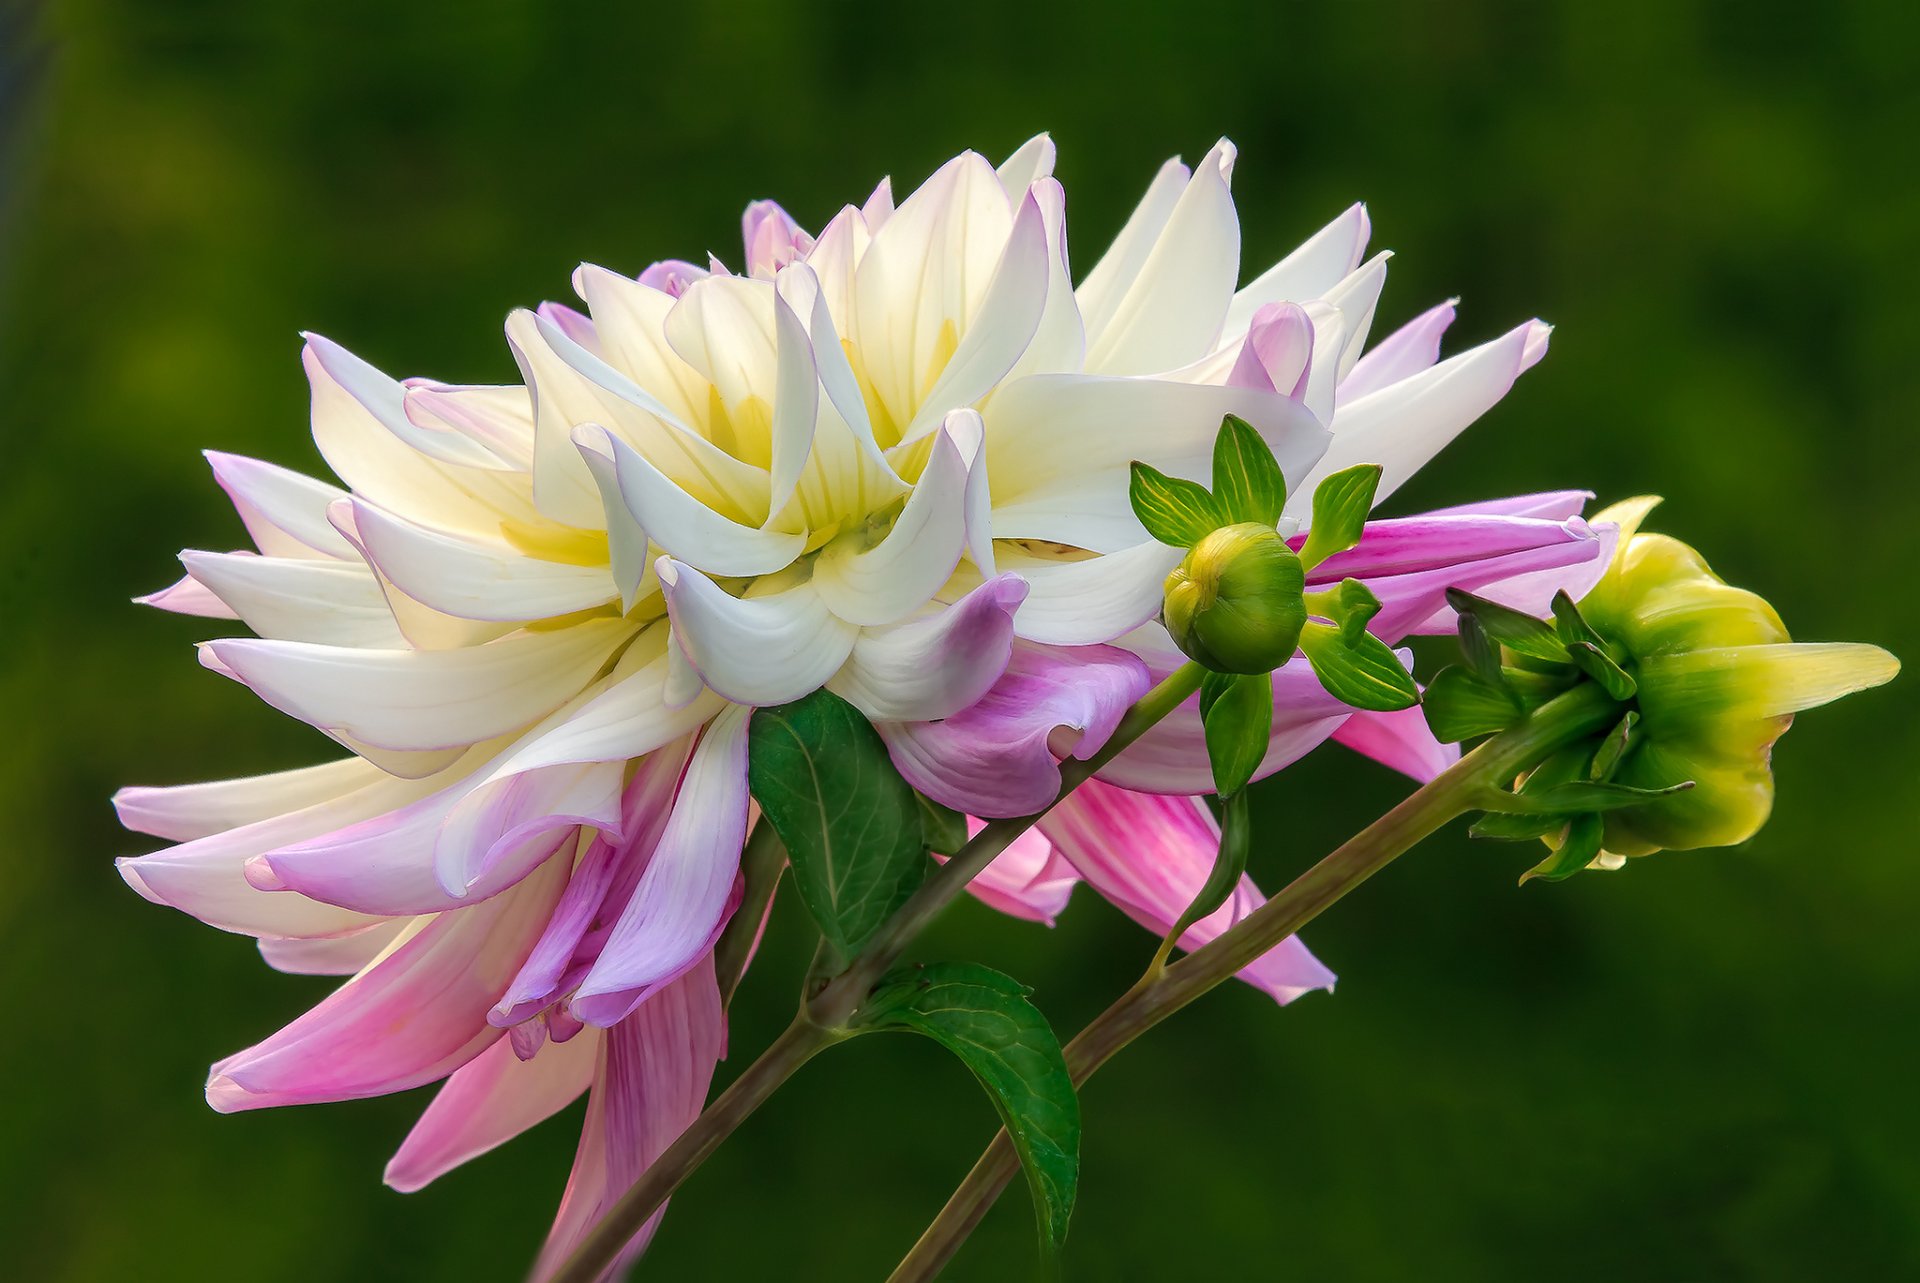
(1364, 674)
(1517, 631)
(1577, 849)
(1571, 626)
(1580, 795)
(851, 826)
(1459, 706)
(942, 828)
(1174, 510)
(1597, 664)
(1341, 504)
(1533, 687)
(1515, 828)
(1236, 839)
(1237, 713)
(986, 1019)
(1614, 748)
(1482, 653)
(1247, 482)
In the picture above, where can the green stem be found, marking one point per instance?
(1160, 993)
(823, 1019)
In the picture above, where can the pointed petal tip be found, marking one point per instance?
(226, 1096)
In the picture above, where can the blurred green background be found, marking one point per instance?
(1702, 1068)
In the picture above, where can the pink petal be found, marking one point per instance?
(934, 667)
(680, 903)
(487, 1102)
(1028, 880)
(1400, 740)
(655, 1069)
(1276, 352)
(1150, 856)
(997, 758)
(188, 596)
(772, 238)
(412, 1018)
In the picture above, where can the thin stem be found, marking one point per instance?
(823, 1018)
(1160, 993)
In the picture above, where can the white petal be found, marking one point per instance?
(969, 435)
(1059, 342)
(629, 551)
(472, 579)
(1357, 297)
(997, 333)
(886, 582)
(500, 418)
(1059, 448)
(1307, 273)
(1107, 284)
(1171, 311)
(332, 955)
(1410, 349)
(337, 603)
(1402, 426)
(796, 404)
(630, 320)
(754, 650)
(1027, 166)
(412, 700)
(1078, 603)
(183, 812)
(284, 511)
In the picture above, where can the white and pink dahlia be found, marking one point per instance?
(890, 459)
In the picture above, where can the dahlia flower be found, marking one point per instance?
(889, 458)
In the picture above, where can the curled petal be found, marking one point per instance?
(284, 511)
(1401, 740)
(1027, 880)
(932, 668)
(340, 955)
(472, 579)
(183, 812)
(754, 650)
(331, 603)
(997, 758)
(681, 901)
(886, 582)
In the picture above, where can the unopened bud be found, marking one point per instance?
(1235, 603)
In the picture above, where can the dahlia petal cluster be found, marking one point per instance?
(890, 459)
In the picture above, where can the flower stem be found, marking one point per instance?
(1161, 992)
(823, 1018)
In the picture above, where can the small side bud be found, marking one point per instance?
(1236, 603)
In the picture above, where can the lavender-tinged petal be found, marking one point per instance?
(1028, 880)
(681, 901)
(998, 757)
(340, 955)
(1404, 353)
(932, 668)
(188, 596)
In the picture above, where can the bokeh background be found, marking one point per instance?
(1702, 1068)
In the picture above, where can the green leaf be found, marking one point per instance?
(1577, 849)
(1174, 510)
(1365, 675)
(761, 864)
(1517, 631)
(1607, 758)
(985, 1019)
(1236, 839)
(1247, 482)
(1581, 795)
(1599, 665)
(1516, 828)
(942, 828)
(1459, 706)
(1237, 712)
(851, 826)
(1340, 507)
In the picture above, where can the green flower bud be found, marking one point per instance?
(1236, 603)
(1718, 681)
